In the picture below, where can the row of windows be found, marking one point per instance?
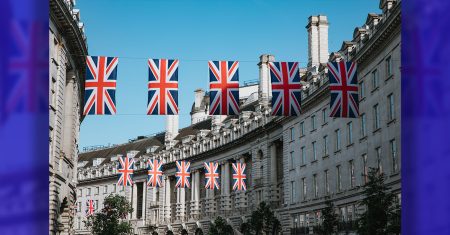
(363, 117)
(375, 78)
(88, 191)
(351, 174)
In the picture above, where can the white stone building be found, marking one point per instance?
(293, 163)
(66, 85)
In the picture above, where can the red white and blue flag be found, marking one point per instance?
(239, 176)
(211, 175)
(286, 88)
(90, 209)
(125, 170)
(183, 174)
(100, 85)
(154, 173)
(343, 89)
(224, 87)
(162, 87)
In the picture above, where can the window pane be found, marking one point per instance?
(363, 125)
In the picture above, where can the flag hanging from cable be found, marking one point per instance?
(90, 209)
(344, 101)
(100, 85)
(224, 87)
(183, 174)
(162, 87)
(211, 175)
(239, 176)
(154, 173)
(286, 88)
(125, 170)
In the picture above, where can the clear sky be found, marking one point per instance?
(195, 32)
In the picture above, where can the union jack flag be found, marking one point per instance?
(24, 70)
(90, 209)
(211, 175)
(100, 86)
(162, 87)
(154, 173)
(224, 87)
(239, 177)
(343, 89)
(125, 170)
(286, 88)
(183, 174)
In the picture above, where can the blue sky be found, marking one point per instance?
(194, 32)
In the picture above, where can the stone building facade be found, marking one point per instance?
(293, 163)
(66, 42)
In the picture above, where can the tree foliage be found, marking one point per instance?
(220, 227)
(330, 219)
(111, 219)
(382, 214)
(262, 221)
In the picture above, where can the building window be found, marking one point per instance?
(338, 140)
(376, 117)
(293, 192)
(96, 205)
(391, 108)
(302, 128)
(97, 189)
(349, 133)
(80, 193)
(363, 125)
(388, 66)
(339, 180)
(292, 133)
(314, 152)
(292, 160)
(88, 192)
(105, 189)
(379, 162)
(79, 207)
(114, 188)
(324, 116)
(304, 188)
(352, 173)
(303, 155)
(362, 90)
(394, 155)
(365, 169)
(325, 145)
(375, 82)
(316, 186)
(313, 122)
(327, 184)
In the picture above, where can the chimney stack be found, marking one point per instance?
(317, 40)
(199, 94)
(264, 88)
(171, 127)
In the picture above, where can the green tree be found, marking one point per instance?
(184, 232)
(382, 211)
(198, 231)
(110, 220)
(263, 220)
(330, 220)
(169, 232)
(220, 227)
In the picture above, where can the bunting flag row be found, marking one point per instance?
(183, 174)
(101, 78)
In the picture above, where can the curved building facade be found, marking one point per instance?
(67, 44)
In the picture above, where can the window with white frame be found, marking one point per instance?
(337, 133)
(293, 192)
(379, 161)
(389, 66)
(362, 90)
(376, 117)
(303, 155)
(325, 145)
(363, 125)
(393, 145)
(302, 128)
(313, 122)
(324, 116)
(105, 189)
(304, 188)
(314, 152)
(352, 173)
(391, 106)
(292, 133)
(350, 133)
(375, 79)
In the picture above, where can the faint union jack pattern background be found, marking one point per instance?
(425, 117)
(24, 117)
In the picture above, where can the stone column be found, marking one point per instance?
(134, 200)
(167, 199)
(273, 163)
(197, 192)
(181, 203)
(225, 187)
(144, 201)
